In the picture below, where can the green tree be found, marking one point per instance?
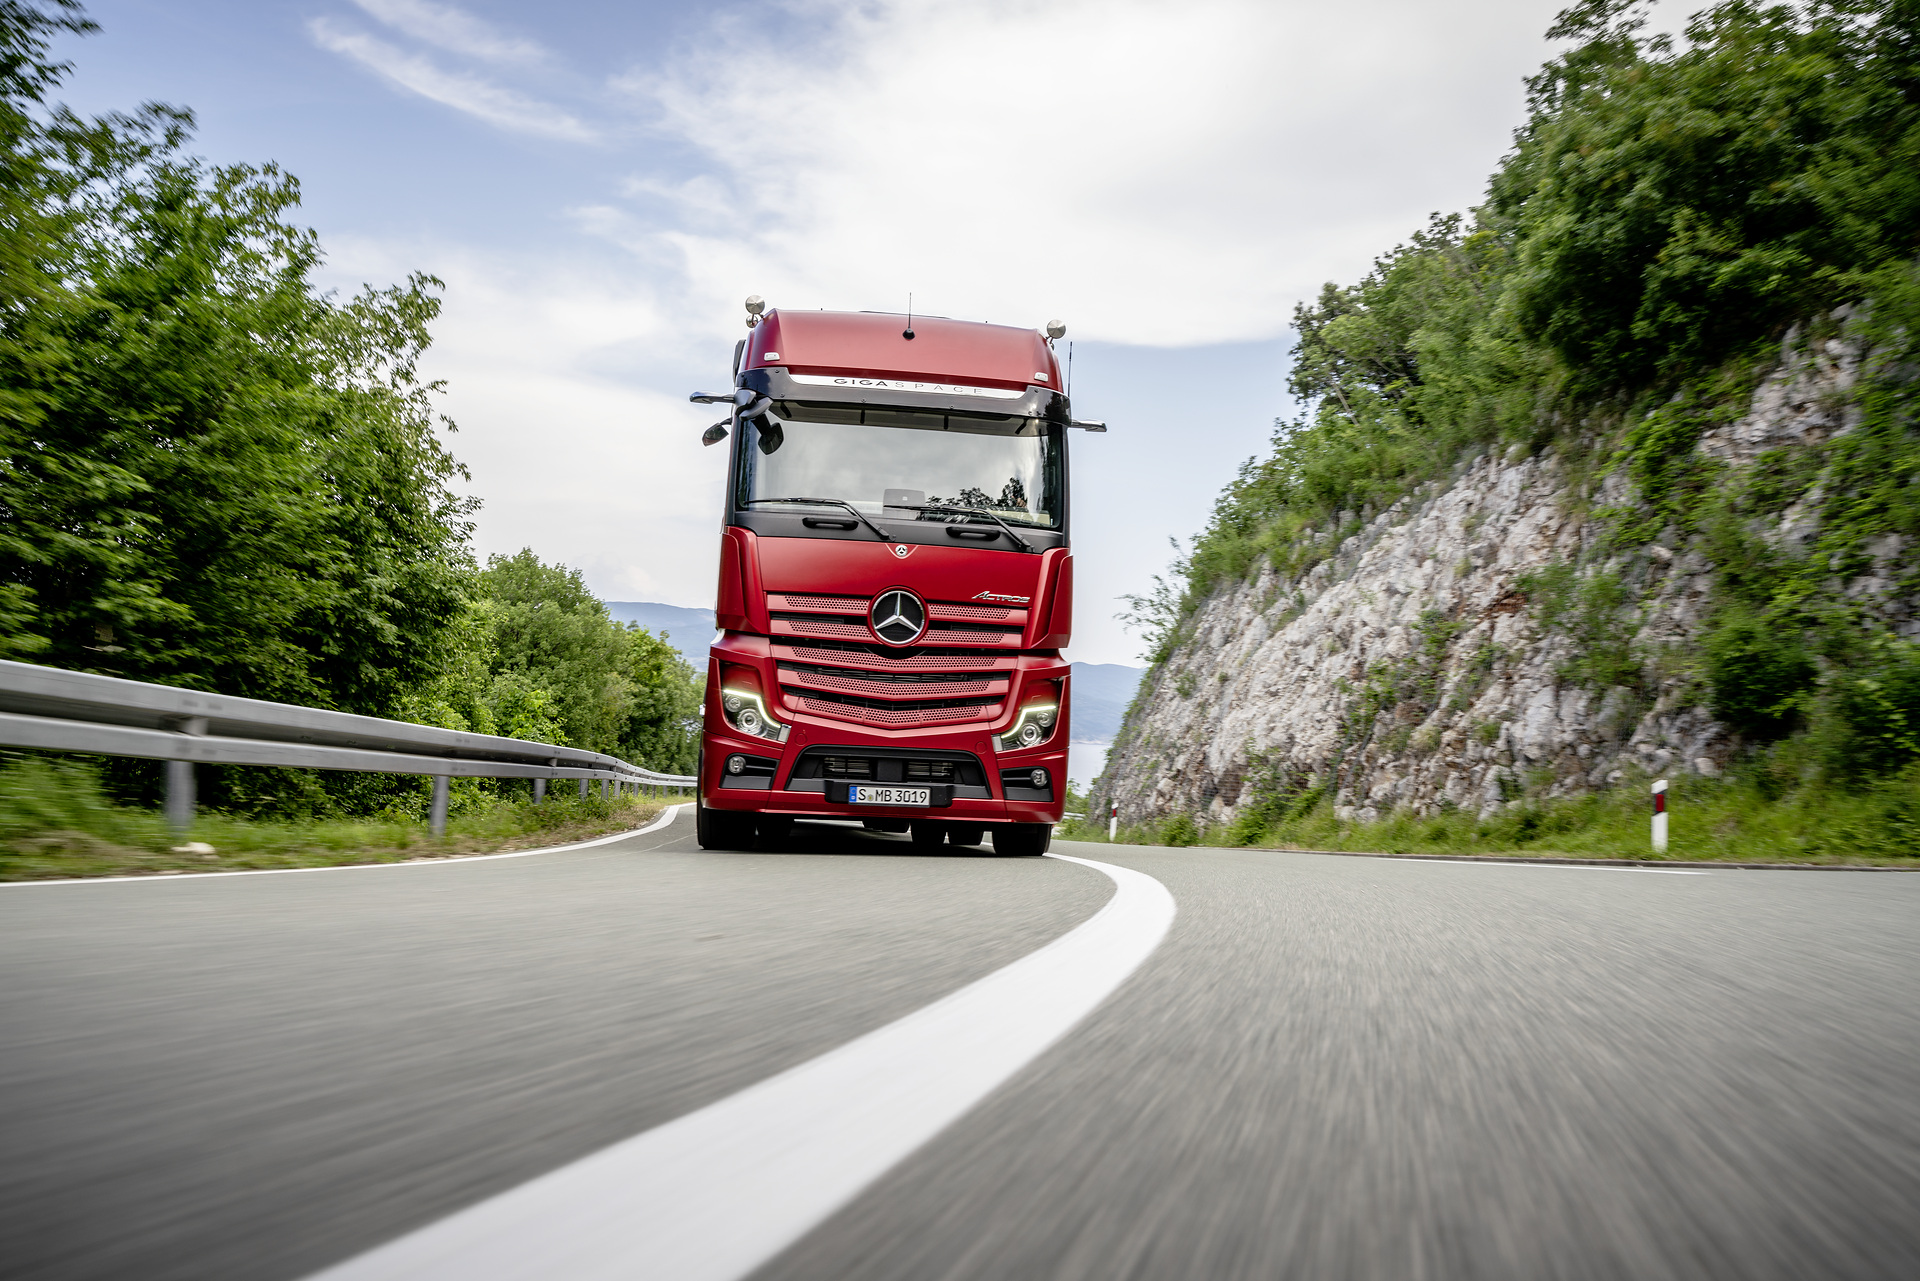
(551, 632)
(211, 474)
(663, 729)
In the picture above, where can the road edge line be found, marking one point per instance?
(718, 1193)
(665, 818)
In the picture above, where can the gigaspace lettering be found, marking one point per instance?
(901, 384)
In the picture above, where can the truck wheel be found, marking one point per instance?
(722, 829)
(774, 828)
(1022, 840)
(966, 833)
(929, 836)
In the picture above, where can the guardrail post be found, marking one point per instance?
(583, 789)
(437, 815)
(181, 790)
(539, 790)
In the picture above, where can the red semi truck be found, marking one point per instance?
(895, 582)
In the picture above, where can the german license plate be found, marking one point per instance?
(890, 795)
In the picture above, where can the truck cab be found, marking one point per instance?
(896, 583)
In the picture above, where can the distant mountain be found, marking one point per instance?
(1101, 692)
(688, 630)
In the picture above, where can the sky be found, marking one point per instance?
(599, 185)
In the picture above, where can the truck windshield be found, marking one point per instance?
(889, 462)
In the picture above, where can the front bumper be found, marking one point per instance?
(815, 805)
(814, 797)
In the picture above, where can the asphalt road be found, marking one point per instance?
(1331, 1067)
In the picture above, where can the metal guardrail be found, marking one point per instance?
(59, 710)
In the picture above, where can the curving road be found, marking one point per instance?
(1328, 1068)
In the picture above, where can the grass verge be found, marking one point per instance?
(55, 823)
(1731, 820)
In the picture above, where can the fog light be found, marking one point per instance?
(736, 764)
(1039, 777)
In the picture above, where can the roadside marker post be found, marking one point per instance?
(1113, 823)
(1659, 816)
(181, 789)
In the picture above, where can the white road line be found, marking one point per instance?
(718, 1192)
(654, 826)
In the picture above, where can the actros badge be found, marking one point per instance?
(1003, 599)
(897, 617)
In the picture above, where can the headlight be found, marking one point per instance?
(746, 712)
(1033, 727)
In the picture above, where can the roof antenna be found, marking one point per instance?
(907, 333)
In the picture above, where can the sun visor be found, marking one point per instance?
(953, 397)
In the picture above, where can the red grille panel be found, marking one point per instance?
(838, 628)
(976, 613)
(826, 604)
(916, 662)
(898, 715)
(937, 635)
(852, 683)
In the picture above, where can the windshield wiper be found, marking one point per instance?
(885, 537)
(1018, 541)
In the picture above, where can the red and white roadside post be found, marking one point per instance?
(1659, 816)
(1113, 822)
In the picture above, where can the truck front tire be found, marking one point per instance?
(722, 829)
(1022, 840)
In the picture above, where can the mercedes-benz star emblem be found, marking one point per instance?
(897, 617)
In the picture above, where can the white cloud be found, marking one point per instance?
(454, 30)
(497, 105)
(569, 384)
(1156, 173)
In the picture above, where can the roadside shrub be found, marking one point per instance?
(1759, 671)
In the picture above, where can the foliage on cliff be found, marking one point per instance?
(1669, 210)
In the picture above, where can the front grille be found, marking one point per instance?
(912, 771)
(823, 604)
(839, 628)
(961, 770)
(873, 711)
(975, 613)
(832, 665)
(893, 685)
(896, 659)
(844, 618)
(963, 634)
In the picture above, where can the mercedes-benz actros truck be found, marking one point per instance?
(896, 584)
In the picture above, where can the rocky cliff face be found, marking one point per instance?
(1443, 652)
